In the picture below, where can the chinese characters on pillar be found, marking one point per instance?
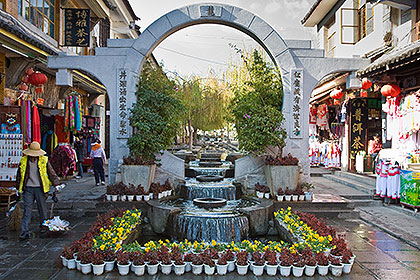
(122, 109)
(297, 101)
(358, 124)
(76, 27)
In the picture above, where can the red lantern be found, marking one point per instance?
(25, 78)
(38, 79)
(337, 94)
(366, 83)
(23, 87)
(390, 90)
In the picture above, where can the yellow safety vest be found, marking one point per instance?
(42, 166)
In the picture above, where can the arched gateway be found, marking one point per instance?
(118, 66)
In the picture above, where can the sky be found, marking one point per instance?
(194, 50)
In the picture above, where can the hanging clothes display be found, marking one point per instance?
(62, 134)
(36, 126)
(326, 153)
(73, 112)
(322, 119)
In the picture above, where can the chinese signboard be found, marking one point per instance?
(410, 192)
(77, 27)
(359, 119)
(123, 122)
(297, 100)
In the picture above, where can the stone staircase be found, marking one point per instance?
(362, 183)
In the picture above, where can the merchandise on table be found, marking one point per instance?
(10, 154)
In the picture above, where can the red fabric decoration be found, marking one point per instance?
(390, 90)
(366, 83)
(363, 93)
(36, 126)
(337, 94)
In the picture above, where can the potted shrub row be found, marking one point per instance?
(262, 191)
(120, 191)
(297, 195)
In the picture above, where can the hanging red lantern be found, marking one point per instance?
(336, 94)
(366, 83)
(38, 79)
(390, 90)
(23, 87)
(25, 79)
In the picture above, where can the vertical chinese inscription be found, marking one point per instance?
(297, 100)
(358, 123)
(123, 121)
(76, 27)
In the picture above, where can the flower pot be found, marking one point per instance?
(123, 197)
(86, 268)
(242, 269)
(197, 269)
(139, 197)
(166, 268)
(260, 194)
(209, 270)
(138, 269)
(308, 196)
(152, 269)
(310, 270)
(71, 264)
(347, 267)
(123, 269)
(109, 265)
(298, 271)
(271, 269)
(114, 197)
(267, 195)
(287, 197)
(295, 197)
(231, 266)
(280, 197)
(258, 270)
(352, 258)
(78, 264)
(160, 195)
(187, 266)
(222, 269)
(63, 261)
(323, 270)
(98, 269)
(301, 197)
(285, 270)
(179, 268)
(130, 197)
(336, 270)
(108, 197)
(146, 197)
(251, 265)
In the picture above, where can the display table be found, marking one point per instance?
(410, 194)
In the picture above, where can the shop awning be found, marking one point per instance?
(326, 85)
(317, 12)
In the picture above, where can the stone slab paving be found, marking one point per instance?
(323, 185)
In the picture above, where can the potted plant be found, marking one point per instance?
(258, 266)
(280, 194)
(347, 264)
(259, 190)
(188, 258)
(123, 191)
(114, 192)
(254, 257)
(336, 266)
(146, 196)
(168, 187)
(307, 188)
(131, 192)
(209, 265)
(242, 262)
(77, 260)
(300, 193)
(295, 195)
(310, 266)
(67, 258)
(286, 261)
(85, 256)
(197, 264)
(98, 264)
(323, 264)
(222, 265)
(281, 171)
(179, 264)
(230, 257)
(272, 263)
(109, 260)
(108, 192)
(138, 266)
(139, 193)
(152, 265)
(298, 268)
(165, 263)
(123, 263)
(287, 194)
(266, 191)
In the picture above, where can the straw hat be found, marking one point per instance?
(34, 150)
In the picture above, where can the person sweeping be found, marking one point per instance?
(34, 178)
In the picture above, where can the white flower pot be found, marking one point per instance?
(301, 197)
(242, 269)
(280, 197)
(267, 195)
(86, 268)
(258, 270)
(123, 197)
(130, 197)
(109, 265)
(179, 268)
(298, 271)
(187, 266)
(308, 196)
(310, 270)
(114, 197)
(98, 269)
(285, 270)
(160, 195)
(146, 197)
(231, 266)
(323, 270)
(222, 269)
(336, 270)
(108, 197)
(295, 197)
(197, 269)
(287, 197)
(209, 270)
(260, 194)
(123, 269)
(78, 265)
(71, 264)
(271, 269)
(138, 269)
(139, 197)
(152, 269)
(251, 265)
(347, 267)
(63, 261)
(166, 268)
(352, 258)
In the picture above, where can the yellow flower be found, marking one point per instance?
(213, 243)
(102, 247)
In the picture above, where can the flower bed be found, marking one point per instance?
(316, 247)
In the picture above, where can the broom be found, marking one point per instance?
(15, 217)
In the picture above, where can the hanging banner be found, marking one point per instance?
(297, 101)
(123, 122)
(358, 122)
(76, 27)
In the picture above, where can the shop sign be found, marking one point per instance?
(359, 119)
(410, 182)
(76, 27)
(123, 122)
(297, 100)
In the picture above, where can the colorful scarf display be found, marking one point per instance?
(36, 128)
(73, 112)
